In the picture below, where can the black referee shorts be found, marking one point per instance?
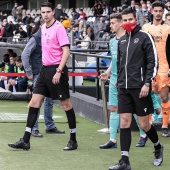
(45, 87)
(129, 102)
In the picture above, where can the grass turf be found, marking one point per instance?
(47, 152)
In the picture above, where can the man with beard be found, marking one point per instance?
(161, 34)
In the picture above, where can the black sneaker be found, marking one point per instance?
(71, 146)
(165, 133)
(108, 145)
(158, 156)
(142, 142)
(55, 131)
(36, 133)
(20, 145)
(122, 165)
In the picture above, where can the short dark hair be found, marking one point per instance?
(13, 55)
(117, 16)
(137, 3)
(47, 4)
(158, 4)
(129, 11)
(10, 50)
(167, 14)
(6, 58)
(18, 59)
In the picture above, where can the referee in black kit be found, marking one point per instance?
(53, 78)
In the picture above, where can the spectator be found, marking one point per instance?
(90, 32)
(19, 13)
(8, 30)
(95, 3)
(20, 82)
(105, 10)
(167, 5)
(75, 15)
(5, 64)
(27, 19)
(84, 43)
(133, 5)
(101, 24)
(149, 4)
(114, 10)
(65, 21)
(146, 13)
(124, 6)
(35, 27)
(1, 31)
(37, 18)
(107, 28)
(11, 69)
(141, 2)
(76, 32)
(14, 11)
(58, 12)
(100, 10)
(16, 28)
(1, 16)
(9, 51)
(95, 11)
(9, 61)
(82, 16)
(139, 14)
(23, 34)
(30, 27)
(167, 18)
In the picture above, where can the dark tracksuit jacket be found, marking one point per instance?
(137, 61)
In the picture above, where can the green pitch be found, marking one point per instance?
(47, 153)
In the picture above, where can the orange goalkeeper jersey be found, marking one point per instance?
(160, 34)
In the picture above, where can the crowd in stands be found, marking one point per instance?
(90, 28)
(12, 64)
(18, 25)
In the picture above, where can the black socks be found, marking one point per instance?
(72, 124)
(31, 119)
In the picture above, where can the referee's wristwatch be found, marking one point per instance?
(147, 84)
(59, 70)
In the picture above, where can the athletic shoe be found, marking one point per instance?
(122, 165)
(36, 133)
(55, 131)
(20, 145)
(142, 142)
(71, 146)
(158, 156)
(108, 145)
(165, 133)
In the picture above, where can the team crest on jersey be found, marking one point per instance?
(123, 41)
(48, 41)
(136, 40)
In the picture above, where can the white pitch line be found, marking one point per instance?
(12, 106)
(16, 116)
